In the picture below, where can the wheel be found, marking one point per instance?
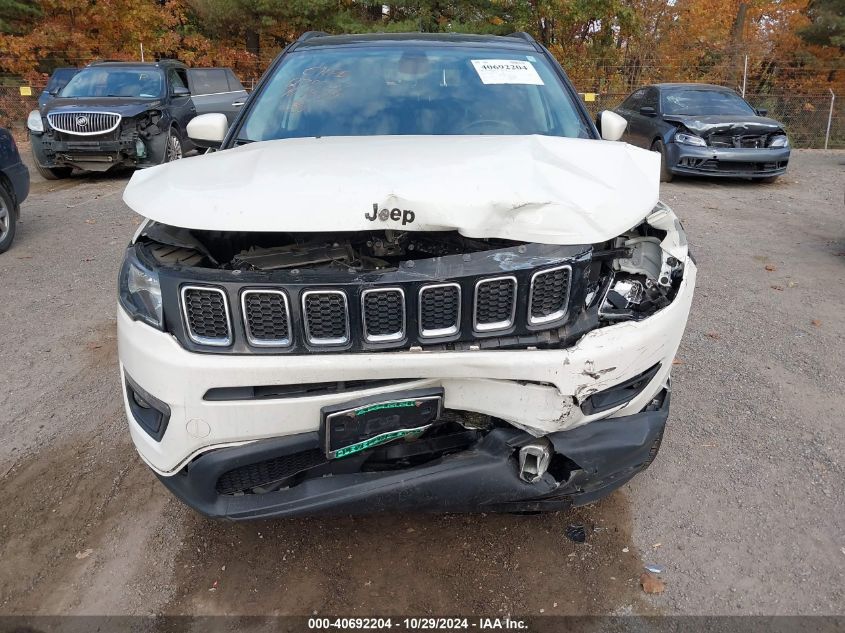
(52, 173)
(768, 179)
(665, 174)
(173, 150)
(7, 220)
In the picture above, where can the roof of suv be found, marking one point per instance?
(671, 86)
(514, 41)
(160, 64)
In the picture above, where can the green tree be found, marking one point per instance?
(827, 23)
(17, 15)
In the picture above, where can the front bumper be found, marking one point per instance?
(538, 391)
(728, 162)
(482, 478)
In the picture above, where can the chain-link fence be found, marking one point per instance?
(805, 116)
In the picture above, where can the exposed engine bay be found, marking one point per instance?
(358, 250)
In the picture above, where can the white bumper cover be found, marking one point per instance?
(537, 390)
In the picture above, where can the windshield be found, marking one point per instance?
(140, 83)
(705, 102)
(412, 90)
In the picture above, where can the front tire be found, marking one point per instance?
(51, 173)
(8, 217)
(173, 149)
(665, 174)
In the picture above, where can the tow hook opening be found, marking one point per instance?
(534, 460)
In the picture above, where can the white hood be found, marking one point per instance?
(529, 188)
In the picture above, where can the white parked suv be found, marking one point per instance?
(414, 276)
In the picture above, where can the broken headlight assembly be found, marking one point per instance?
(139, 291)
(640, 271)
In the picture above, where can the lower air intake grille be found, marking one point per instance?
(440, 310)
(262, 474)
(206, 315)
(549, 295)
(266, 316)
(384, 314)
(495, 303)
(326, 317)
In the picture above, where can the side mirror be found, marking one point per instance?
(648, 111)
(762, 111)
(180, 91)
(208, 130)
(611, 126)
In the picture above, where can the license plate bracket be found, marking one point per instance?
(352, 427)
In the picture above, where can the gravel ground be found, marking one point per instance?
(743, 507)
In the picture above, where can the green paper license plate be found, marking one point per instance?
(357, 426)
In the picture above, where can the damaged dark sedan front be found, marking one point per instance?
(113, 114)
(701, 129)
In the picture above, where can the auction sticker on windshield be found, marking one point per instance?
(507, 71)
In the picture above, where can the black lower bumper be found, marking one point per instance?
(591, 461)
(726, 162)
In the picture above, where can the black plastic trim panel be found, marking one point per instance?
(520, 262)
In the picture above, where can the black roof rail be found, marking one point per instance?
(311, 34)
(523, 36)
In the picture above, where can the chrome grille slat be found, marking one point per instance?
(439, 307)
(383, 314)
(494, 307)
(326, 317)
(206, 312)
(94, 122)
(266, 317)
(548, 299)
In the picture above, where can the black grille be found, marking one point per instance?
(549, 295)
(384, 314)
(494, 303)
(745, 140)
(326, 317)
(262, 474)
(266, 316)
(440, 309)
(206, 315)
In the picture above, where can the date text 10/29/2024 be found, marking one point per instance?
(417, 624)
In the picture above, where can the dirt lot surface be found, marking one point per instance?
(743, 507)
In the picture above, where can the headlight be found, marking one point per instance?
(641, 270)
(139, 291)
(779, 141)
(34, 122)
(689, 139)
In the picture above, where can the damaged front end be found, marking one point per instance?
(549, 365)
(99, 140)
(754, 148)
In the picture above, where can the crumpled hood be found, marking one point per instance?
(734, 124)
(530, 188)
(125, 106)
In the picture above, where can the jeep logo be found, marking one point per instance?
(407, 216)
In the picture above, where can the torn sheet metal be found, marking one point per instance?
(704, 125)
(530, 188)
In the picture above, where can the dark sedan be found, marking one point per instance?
(14, 187)
(705, 130)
